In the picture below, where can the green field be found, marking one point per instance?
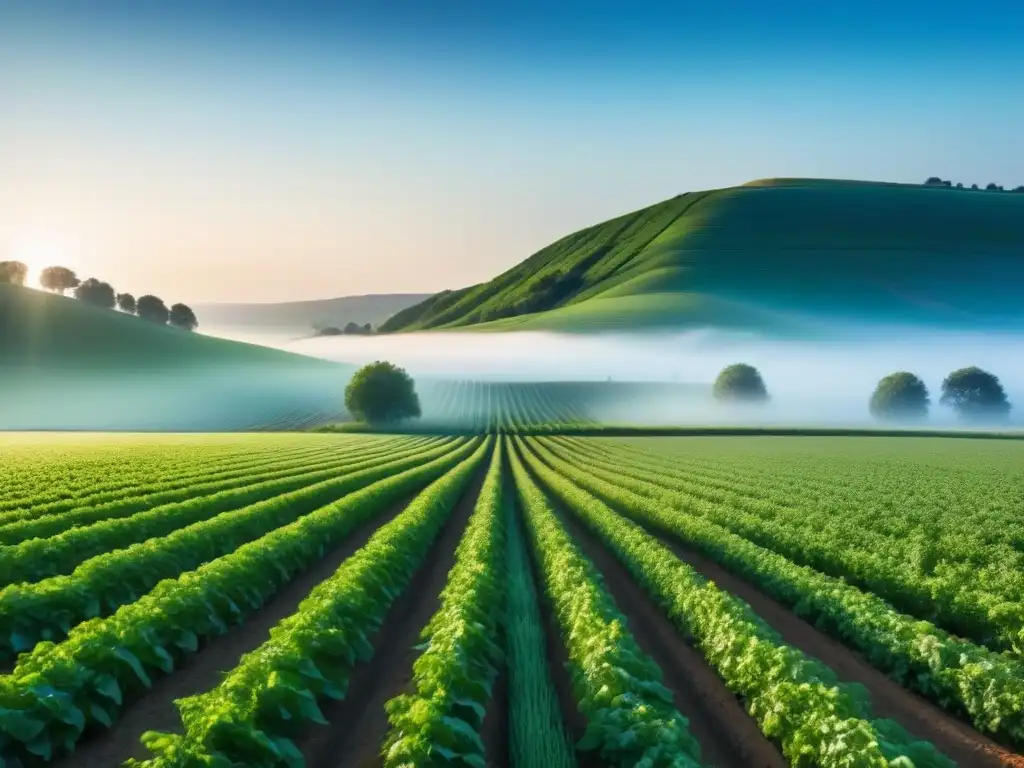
(317, 599)
(778, 257)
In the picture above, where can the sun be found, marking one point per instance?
(39, 253)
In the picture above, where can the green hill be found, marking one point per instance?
(41, 330)
(67, 365)
(778, 256)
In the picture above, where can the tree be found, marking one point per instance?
(933, 181)
(900, 396)
(58, 279)
(352, 328)
(97, 293)
(152, 308)
(1019, 189)
(381, 392)
(367, 329)
(126, 303)
(740, 383)
(13, 272)
(993, 187)
(182, 316)
(975, 394)
(974, 186)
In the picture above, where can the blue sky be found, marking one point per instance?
(274, 151)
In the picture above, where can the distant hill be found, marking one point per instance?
(300, 317)
(68, 365)
(780, 256)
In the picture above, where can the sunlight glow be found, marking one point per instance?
(39, 253)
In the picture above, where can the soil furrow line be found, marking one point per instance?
(359, 723)
(728, 736)
(922, 719)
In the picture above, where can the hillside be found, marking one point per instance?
(777, 256)
(67, 365)
(300, 317)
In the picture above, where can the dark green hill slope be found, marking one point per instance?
(777, 256)
(40, 330)
(67, 365)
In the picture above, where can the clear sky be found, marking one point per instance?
(254, 151)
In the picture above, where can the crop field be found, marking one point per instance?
(506, 407)
(177, 601)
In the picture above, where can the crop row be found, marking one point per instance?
(47, 609)
(986, 687)
(631, 719)
(48, 519)
(794, 698)
(454, 676)
(58, 690)
(970, 586)
(40, 472)
(309, 656)
(39, 558)
(168, 478)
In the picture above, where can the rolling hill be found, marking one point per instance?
(778, 256)
(67, 365)
(300, 317)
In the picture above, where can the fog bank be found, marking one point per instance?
(811, 382)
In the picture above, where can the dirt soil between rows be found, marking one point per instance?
(921, 718)
(728, 736)
(155, 711)
(359, 723)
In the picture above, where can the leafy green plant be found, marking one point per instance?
(453, 677)
(248, 717)
(37, 558)
(986, 687)
(795, 699)
(47, 609)
(630, 717)
(57, 690)
(537, 735)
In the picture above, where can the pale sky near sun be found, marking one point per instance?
(291, 153)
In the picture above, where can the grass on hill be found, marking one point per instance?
(65, 365)
(776, 255)
(44, 331)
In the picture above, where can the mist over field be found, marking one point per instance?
(810, 382)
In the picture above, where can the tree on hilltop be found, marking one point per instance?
(152, 308)
(126, 303)
(13, 272)
(740, 383)
(182, 316)
(975, 394)
(97, 293)
(58, 279)
(900, 396)
(380, 393)
(933, 181)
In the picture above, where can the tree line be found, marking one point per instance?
(935, 181)
(976, 395)
(98, 293)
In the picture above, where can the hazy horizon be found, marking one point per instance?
(827, 383)
(285, 153)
